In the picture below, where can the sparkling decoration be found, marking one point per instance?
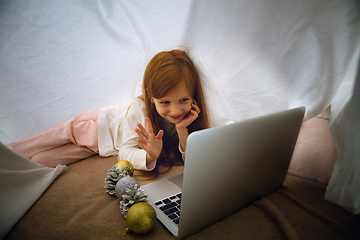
(134, 194)
(118, 171)
(126, 164)
(122, 184)
(141, 218)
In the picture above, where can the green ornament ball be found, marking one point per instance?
(141, 218)
(122, 184)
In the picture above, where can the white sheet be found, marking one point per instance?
(59, 58)
(344, 184)
(22, 182)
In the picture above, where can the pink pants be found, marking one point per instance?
(71, 141)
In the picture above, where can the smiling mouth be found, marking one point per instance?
(176, 117)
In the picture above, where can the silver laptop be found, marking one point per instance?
(226, 169)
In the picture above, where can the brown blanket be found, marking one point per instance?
(76, 206)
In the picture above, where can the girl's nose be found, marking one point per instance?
(175, 111)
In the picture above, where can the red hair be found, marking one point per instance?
(163, 75)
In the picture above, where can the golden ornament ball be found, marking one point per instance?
(141, 218)
(123, 164)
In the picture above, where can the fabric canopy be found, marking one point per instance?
(59, 58)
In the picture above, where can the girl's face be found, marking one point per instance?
(175, 106)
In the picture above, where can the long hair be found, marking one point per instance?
(163, 75)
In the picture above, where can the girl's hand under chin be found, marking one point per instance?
(190, 117)
(181, 127)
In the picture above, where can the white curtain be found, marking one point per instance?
(59, 58)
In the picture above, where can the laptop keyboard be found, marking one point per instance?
(171, 207)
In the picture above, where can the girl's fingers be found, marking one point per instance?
(149, 125)
(144, 142)
(150, 143)
(160, 135)
(147, 137)
(141, 144)
(194, 115)
(142, 130)
(141, 136)
(196, 108)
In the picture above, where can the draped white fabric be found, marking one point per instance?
(59, 58)
(344, 185)
(22, 182)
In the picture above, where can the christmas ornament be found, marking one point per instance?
(134, 194)
(119, 170)
(123, 183)
(120, 183)
(124, 164)
(141, 218)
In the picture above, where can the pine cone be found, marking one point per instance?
(134, 194)
(114, 175)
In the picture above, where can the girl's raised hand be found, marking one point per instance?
(148, 141)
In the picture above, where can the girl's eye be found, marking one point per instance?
(184, 100)
(165, 102)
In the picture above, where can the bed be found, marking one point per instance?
(76, 205)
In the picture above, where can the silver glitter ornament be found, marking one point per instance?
(123, 183)
(113, 176)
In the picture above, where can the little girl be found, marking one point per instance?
(152, 131)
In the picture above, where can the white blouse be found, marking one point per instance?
(117, 136)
